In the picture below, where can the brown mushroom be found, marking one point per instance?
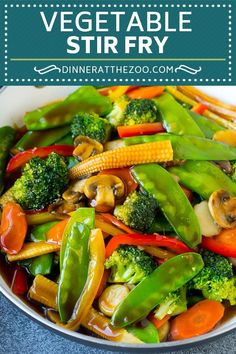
(102, 190)
(223, 208)
(86, 147)
(62, 208)
(75, 192)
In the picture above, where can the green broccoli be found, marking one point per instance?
(140, 111)
(138, 211)
(174, 304)
(216, 279)
(129, 265)
(116, 116)
(91, 125)
(42, 182)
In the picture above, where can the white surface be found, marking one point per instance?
(226, 94)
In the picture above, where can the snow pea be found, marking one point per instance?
(175, 118)
(74, 270)
(208, 127)
(171, 199)
(42, 264)
(85, 99)
(146, 332)
(81, 215)
(203, 177)
(66, 140)
(187, 147)
(7, 137)
(74, 260)
(33, 139)
(38, 233)
(149, 293)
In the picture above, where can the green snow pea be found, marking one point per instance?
(187, 147)
(147, 333)
(38, 233)
(7, 137)
(42, 264)
(171, 199)
(81, 215)
(149, 293)
(175, 118)
(66, 140)
(74, 260)
(74, 269)
(208, 127)
(203, 177)
(33, 139)
(85, 99)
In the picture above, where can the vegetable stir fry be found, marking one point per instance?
(118, 212)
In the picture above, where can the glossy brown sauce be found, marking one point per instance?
(7, 270)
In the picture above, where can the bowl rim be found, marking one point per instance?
(105, 344)
(109, 345)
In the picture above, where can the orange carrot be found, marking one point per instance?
(197, 320)
(199, 108)
(158, 323)
(56, 232)
(146, 92)
(105, 91)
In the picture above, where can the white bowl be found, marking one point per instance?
(14, 102)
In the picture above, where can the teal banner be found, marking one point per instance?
(125, 42)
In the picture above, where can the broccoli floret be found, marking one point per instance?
(42, 182)
(174, 304)
(216, 279)
(129, 265)
(116, 116)
(91, 125)
(138, 211)
(140, 111)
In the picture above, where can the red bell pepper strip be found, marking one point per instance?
(13, 228)
(199, 108)
(19, 285)
(146, 240)
(113, 220)
(223, 244)
(140, 129)
(24, 156)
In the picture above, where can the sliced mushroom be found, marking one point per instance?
(103, 190)
(63, 207)
(75, 192)
(223, 208)
(86, 147)
(207, 224)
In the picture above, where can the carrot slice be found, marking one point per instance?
(146, 92)
(198, 320)
(199, 108)
(158, 323)
(56, 232)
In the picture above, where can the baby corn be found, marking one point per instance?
(160, 151)
(33, 249)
